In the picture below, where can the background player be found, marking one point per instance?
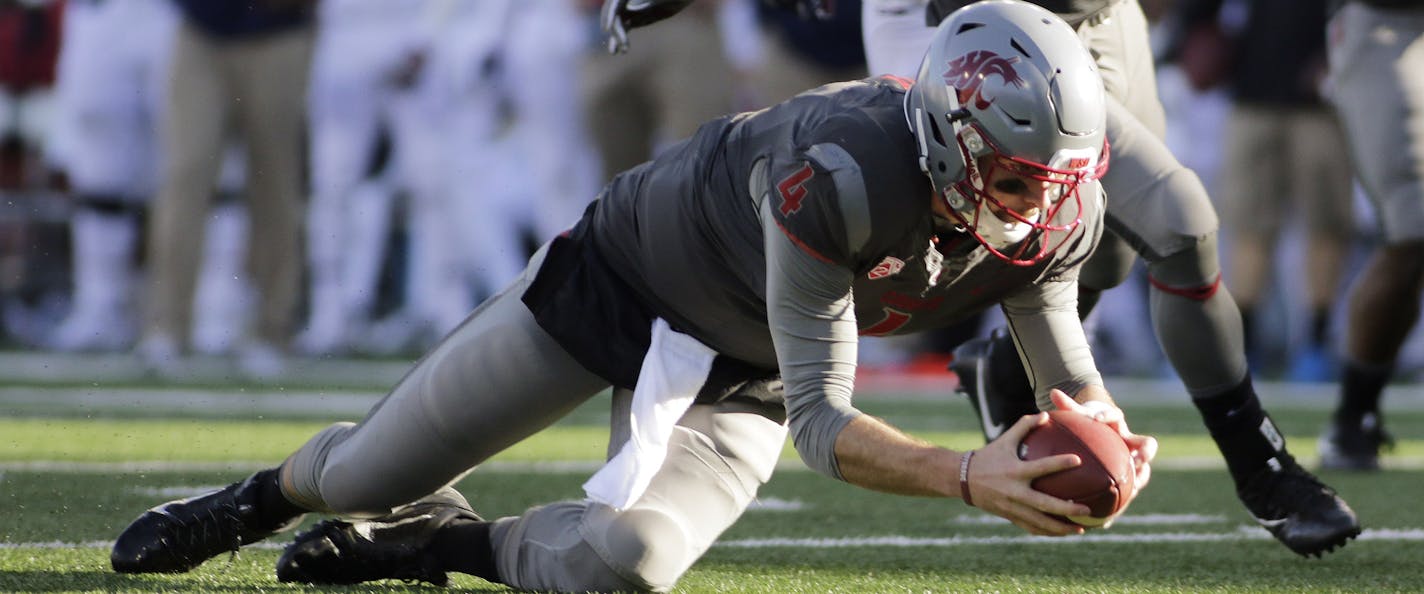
(1376, 51)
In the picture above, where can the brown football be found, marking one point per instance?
(1103, 482)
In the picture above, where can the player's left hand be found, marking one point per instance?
(1142, 447)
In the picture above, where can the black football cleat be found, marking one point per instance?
(992, 377)
(1295, 507)
(393, 546)
(179, 535)
(1354, 445)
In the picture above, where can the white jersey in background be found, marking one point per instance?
(523, 167)
(371, 75)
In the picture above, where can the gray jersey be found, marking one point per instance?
(823, 190)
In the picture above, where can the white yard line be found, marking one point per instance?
(60, 466)
(1390, 462)
(180, 401)
(1244, 533)
(984, 519)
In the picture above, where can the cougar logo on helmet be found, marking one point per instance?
(968, 72)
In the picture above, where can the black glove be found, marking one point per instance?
(618, 16)
(820, 10)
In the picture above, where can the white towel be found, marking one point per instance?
(673, 371)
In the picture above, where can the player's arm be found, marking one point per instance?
(811, 313)
(1043, 321)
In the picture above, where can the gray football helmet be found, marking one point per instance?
(1008, 84)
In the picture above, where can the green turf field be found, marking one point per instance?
(73, 473)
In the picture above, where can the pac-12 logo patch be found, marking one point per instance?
(887, 267)
(792, 189)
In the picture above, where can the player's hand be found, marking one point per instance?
(617, 17)
(1142, 447)
(1000, 483)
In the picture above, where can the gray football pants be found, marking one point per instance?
(498, 379)
(1377, 78)
(1159, 209)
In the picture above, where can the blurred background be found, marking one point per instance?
(185, 184)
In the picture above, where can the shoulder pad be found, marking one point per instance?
(850, 191)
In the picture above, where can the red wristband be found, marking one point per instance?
(964, 477)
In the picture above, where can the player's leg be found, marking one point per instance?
(691, 78)
(343, 114)
(370, 206)
(718, 457)
(111, 164)
(223, 300)
(618, 106)
(439, 292)
(493, 382)
(1324, 195)
(104, 233)
(1378, 85)
(271, 77)
(1254, 192)
(104, 229)
(192, 131)
(1168, 217)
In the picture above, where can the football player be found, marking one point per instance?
(719, 289)
(109, 88)
(372, 71)
(1376, 53)
(109, 92)
(1160, 210)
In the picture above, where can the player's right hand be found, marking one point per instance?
(1002, 483)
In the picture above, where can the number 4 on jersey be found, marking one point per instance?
(793, 189)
